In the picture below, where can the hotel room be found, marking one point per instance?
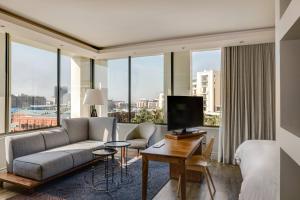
(140, 100)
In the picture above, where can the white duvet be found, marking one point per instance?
(259, 164)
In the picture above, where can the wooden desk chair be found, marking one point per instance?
(201, 163)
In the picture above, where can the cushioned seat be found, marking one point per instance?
(138, 143)
(81, 152)
(40, 166)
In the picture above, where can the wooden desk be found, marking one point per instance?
(174, 152)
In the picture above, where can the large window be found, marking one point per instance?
(118, 89)
(147, 89)
(33, 87)
(206, 66)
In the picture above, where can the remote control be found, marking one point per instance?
(158, 145)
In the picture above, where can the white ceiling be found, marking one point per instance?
(106, 23)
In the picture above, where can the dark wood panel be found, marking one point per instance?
(289, 177)
(289, 85)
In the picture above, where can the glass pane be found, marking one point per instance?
(118, 89)
(147, 89)
(206, 66)
(65, 90)
(33, 87)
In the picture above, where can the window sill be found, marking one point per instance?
(30, 130)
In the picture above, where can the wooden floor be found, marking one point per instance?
(227, 179)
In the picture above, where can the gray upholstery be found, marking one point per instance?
(21, 145)
(81, 152)
(55, 138)
(138, 143)
(40, 166)
(77, 129)
(102, 129)
(139, 137)
(43, 154)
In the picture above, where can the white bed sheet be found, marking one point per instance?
(259, 164)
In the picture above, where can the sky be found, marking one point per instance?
(146, 78)
(34, 72)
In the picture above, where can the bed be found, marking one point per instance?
(259, 164)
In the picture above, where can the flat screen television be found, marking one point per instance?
(184, 112)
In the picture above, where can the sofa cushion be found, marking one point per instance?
(77, 129)
(102, 128)
(42, 165)
(55, 138)
(81, 152)
(22, 145)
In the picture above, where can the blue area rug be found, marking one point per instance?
(77, 185)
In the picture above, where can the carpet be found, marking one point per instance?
(76, 185)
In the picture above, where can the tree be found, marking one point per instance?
(144, 115)
(211, 120)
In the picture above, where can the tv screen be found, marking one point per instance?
(184, 112)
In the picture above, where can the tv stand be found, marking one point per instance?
(186, 131)
(172, 135)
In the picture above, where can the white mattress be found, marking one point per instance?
(259, 164)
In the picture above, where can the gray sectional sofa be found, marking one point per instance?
(43, 154)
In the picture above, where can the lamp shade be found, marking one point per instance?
(93, 97)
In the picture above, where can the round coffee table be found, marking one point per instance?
(123, 145)
(104, 153)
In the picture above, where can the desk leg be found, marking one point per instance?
(183, 180)
(145, 178)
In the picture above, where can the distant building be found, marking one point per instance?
(153, 104)
(25, 101)
(63, 90)
(161, 100)
(208, 86)
(142, 103)
(194, 87)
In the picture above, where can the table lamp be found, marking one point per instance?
(93, 97)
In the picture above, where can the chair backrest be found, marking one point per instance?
(208, 150)
(146, 130)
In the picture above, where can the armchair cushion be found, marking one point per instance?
(138, 143)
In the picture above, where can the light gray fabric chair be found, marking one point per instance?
(139, 137)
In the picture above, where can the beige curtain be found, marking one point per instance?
(248, 97)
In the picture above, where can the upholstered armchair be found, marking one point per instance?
(139, 138)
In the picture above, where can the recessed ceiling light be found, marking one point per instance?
(61, 45)
(242, 41)
(2, 26)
